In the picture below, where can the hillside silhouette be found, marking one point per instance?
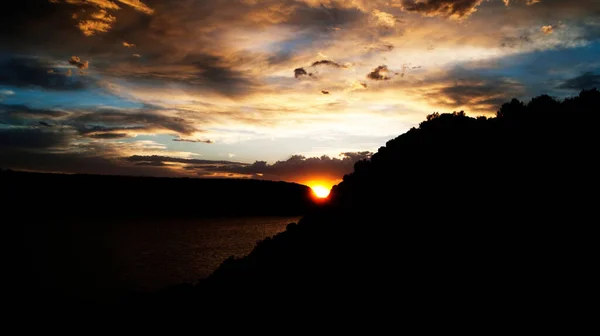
(473, 215)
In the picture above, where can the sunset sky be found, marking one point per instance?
(294, 90)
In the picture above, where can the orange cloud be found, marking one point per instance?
(138, 5)
(106, 4)
(76, 61)
(547, 30)
(91, 27)
(384, 19)
(102, 15)
(101, 21)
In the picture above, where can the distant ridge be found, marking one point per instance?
(104, 196)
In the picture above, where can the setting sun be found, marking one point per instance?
(320, 191)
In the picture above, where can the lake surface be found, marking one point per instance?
(80, 258)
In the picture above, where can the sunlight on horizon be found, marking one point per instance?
(320, 191)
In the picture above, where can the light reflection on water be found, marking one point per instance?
(145, 254)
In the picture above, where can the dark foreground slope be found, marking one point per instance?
(52, 196)
(461, 219)
(460, 216)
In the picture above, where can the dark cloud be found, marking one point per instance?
(193, 71)
(586, 80)
(78, 163)
(379, 73)
(213, 71)
(382, 47)
(32, 72)
(300, 72)
(443, 8)
(324, 16)
(21, 115)
(476, 93)
(121, 121)
(31, 139)
(109, 136)
(167, 159)
(328, 62)
(325, 92)
(103, 123)
(194, 140)
(299, 168)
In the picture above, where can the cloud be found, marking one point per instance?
(103, 15)
(76, 61)
(148, 121)
(379, 73)
(225, 70)
(588, 80)
(31, 139)
(110, 136)
(547, 30)
(445, 8)
(78, 163)
(328, 62)
(128, 45)
(300, 72)
(528, 2)
(194, 140)
(21, 115)
(6, 93)
(90, 27)
(106, 4)
(111, 5)
(138, 5)
(473, 94)
(34, 72)
(100, 122)
(193, 72)
(381, 47)
(167, 159)
(299, 168)
(384, 19)
(325, 92)
(101, 21)
(137, 55)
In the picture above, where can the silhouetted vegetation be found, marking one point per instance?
(456, 210)
(486, 213)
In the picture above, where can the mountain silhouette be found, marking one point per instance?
(460, 216)
(460, 213)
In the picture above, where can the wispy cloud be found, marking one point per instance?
(194, 140)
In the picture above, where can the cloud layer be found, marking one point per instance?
(263, 81)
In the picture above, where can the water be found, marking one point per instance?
(91, 258)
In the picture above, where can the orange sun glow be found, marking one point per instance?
(320, 191)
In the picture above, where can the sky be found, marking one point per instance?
(292, 90)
